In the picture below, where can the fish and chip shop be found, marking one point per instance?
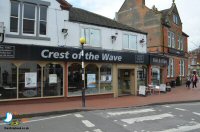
(42, 72)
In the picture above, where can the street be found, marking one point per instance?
(162, 118)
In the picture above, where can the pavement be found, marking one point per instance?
(179, 94)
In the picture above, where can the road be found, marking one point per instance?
(160, 118)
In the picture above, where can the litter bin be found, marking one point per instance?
(173, 83)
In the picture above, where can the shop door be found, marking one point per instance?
(124, 82)
(156, 76)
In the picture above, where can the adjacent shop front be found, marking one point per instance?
(36, 72)
(158, 69)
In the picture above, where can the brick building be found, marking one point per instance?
(194, 62)
(165, 37)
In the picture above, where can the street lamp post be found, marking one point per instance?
(82, 41)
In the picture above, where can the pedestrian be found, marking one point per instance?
(188, 81)
(194, 81)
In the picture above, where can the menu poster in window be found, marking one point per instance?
(31, 79)
(91, 80)
(52, 78)
(106, 78)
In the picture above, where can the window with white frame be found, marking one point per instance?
(180, 43)
(182, 67)
(43, 20)
(14, 17)
(175, 19)
(171, 39)
(130, 42)
(29, 18)
(92, 36)
(33, 18)
(170, 69)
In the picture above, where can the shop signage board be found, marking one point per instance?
(176, 52)
(158, 60)
(7, 51)
(46, 53)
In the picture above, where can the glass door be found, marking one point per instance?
(124, 82)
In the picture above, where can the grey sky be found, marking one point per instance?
(188, 11)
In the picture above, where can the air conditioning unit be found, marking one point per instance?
(1, 27)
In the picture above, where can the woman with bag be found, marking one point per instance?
(194, 81)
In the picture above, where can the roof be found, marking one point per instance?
(183, 33)
(83, 16)
(165, 12)
(64, 4)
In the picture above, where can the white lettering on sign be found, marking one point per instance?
(47, 54)
(77, 56)
(109, 57)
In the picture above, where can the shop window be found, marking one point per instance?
(29, 80)
(92, 79)
(106, 78)
(8, 81)
(170, 69)
(75, 82)
(142, 76)
(53, 80)
(156, 76)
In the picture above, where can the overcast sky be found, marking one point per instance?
(188, 11)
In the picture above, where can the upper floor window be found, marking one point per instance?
(175, 19)
(92, 36)
(180, 43)
(171, 39)
(29, 18)
(33, 18)
(43, 20)
(130, 42)
(14, 17)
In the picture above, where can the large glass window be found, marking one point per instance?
(75, 82)
(53, 80)
(142, 76)
(29, 80)
(14, 16)
(92, 79)
(8, 80)
(92, 36)
(106, 78)
(130, 42)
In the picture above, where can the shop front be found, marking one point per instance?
(41, 72)
(158, 69)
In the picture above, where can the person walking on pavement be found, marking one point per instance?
(188, 81)
(194, 81)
